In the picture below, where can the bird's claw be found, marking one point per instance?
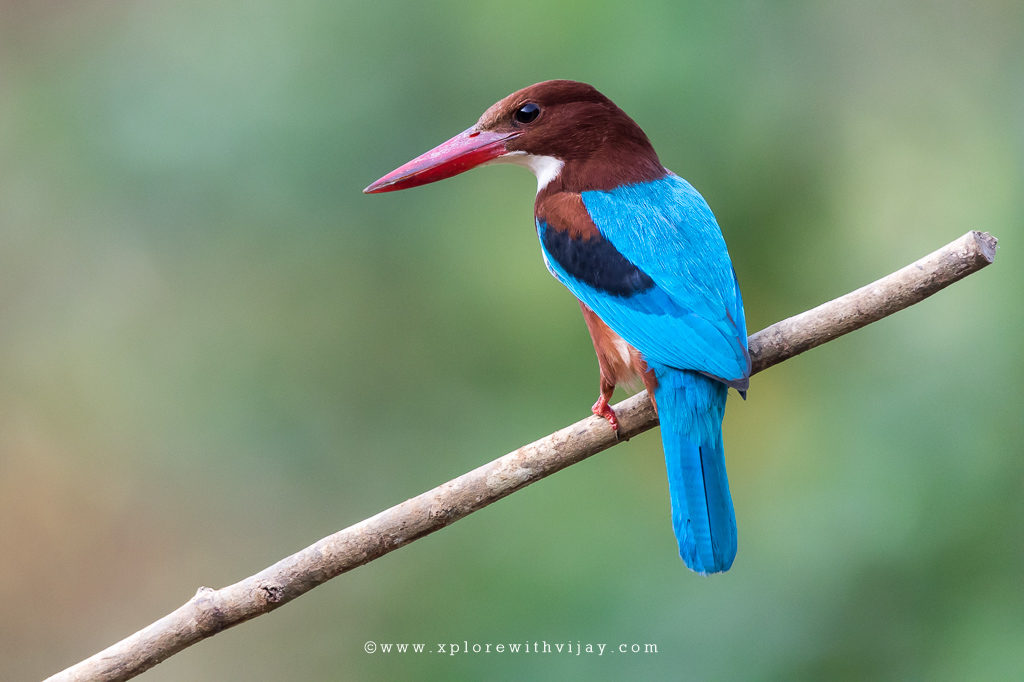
(602, 409)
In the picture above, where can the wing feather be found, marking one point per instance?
(680, 305)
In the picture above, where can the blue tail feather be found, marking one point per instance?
(691, 407)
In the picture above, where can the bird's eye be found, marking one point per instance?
(526, 113)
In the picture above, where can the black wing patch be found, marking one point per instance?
(594, 261)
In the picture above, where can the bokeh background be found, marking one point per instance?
(215, 350)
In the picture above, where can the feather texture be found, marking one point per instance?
(691, 407)
(684, 309)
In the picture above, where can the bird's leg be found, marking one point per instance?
(614, 359)
(601, 408)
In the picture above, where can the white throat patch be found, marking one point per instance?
(546, 168)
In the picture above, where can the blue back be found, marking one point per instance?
(680, 305)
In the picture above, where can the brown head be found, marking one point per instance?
(570, 135)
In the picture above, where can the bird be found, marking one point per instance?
(642, 252)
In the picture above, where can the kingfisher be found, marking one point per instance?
(641, 250)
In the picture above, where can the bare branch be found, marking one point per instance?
(211, 611)
(883, 297)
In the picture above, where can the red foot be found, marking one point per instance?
(602, 409)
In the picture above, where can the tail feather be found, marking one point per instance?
(691, 407)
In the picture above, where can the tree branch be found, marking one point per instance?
(211, 611)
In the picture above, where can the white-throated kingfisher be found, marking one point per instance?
(641, 250)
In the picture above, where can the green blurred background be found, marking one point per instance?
(215, 350)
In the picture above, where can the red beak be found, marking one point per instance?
(468, 149)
